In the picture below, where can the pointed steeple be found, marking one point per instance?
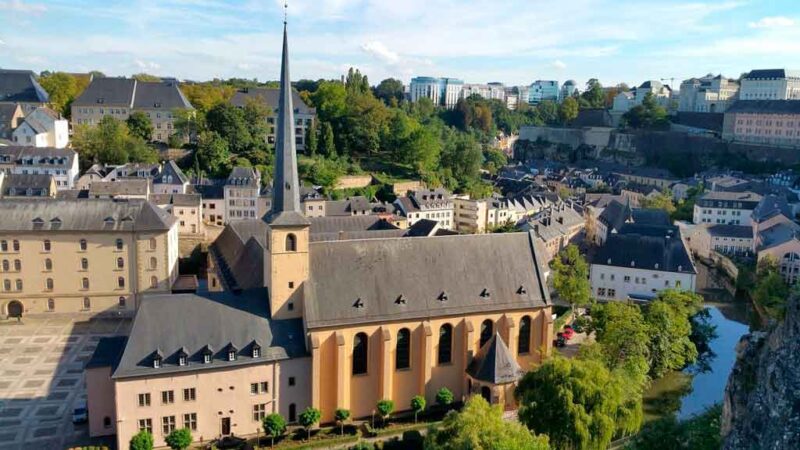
(285, 184)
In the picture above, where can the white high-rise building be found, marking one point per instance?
(770, 84)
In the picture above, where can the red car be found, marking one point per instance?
(568, 332)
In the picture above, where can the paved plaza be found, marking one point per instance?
(41, 378)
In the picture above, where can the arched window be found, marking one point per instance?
(121, 282)
(51, 304)
(49, 284)
(119, 244)
(17, 265)
(120, 263)
(153, 282)
(402, 355)
(48, 264)
(153, 262)
(84, 264)
(83, 244)
(87, 303)
(487, 329)
(152, 243)
(121, 303)
(19, 284)
(360, 348)
(6, 266)
(291, 243)
(46, 245)
(292, 412)
(524, 342)
(16, 246)
(3, 246)
(85, 283)
(445, 344)
(6, 285)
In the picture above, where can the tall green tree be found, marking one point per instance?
(385, 408)
(212, 154)
(623, 333)
(594, 96)
(62, 89)
(312, 138)
(417, 405)
(568, 110)
(700, 432)
(110, 142)
(230, 124)
(140, 125)
(308, 418)
(571, 276)
(547, 110)
(327, 142)
(390, 91)
(649, 115)
(330, 100)
(274, 426)
(667, 317)
(771, 291)
(578, 403)
(142, 440)
(481, 426)
(179, 439)
(662, 200)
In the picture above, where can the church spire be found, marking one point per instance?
(285, 184)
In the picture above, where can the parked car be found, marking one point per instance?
(568, 332)
(80, 414)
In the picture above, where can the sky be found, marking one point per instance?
(511, 41)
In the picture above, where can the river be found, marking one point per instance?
(700, 385)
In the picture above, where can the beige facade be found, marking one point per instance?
(207, 401)
(763, 128)
(334, 385)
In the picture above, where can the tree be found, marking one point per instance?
(327, 143)
(212, 154)
(699, 432)
(648, 115)
(568, 110)
(274, 426)
(330, 101)
(229, 122)
(548, 112)
(62, 89)
(667, 317)
(145, 77)
(662, 200)
(593, 96)
(571, 276)
(205, 96)
(341, 415)
(481, 426)
(578, 403)
(623, 334)
(770, 291)
(312, 138)
(461, 157)
(385, 408)
(142, 440)
(495, 160)
(308, 418)
(417, 405)
(110, 142)
(139, 125)
(179, 439)
(390, 91)
(444, 397)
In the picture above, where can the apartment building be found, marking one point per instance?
(731, 208)
(765, 122)
(541, 90)
(241, 194)
(121, 97)
(432, 204)
(441, 91)
(304, 115)
(770, 84)
(42, 128)
(712, 94)
(187, 209)
(480, 215)
(27, 186)
(93, 256)
(20, 87)
(10, 116)
(61, 163)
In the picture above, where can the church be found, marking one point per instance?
(324, 312)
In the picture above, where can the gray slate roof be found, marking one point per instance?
(109, 92)
(171, 169)
(160, 95)
(734, 231)
(438, 276)
(761, 74)
(39, 183)
(21, 86)
(770, 206)
(765, 107)
(614, 215)
(108, 352)
(169, 323)
(645, 250)
(61, 157)
(126, 186)
(243, 176)
(83, 215)
(494, 363)
(270, 98)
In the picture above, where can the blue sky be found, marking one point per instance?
(513, 41)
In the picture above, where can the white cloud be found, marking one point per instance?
(146, 65)
(558, 65)
(380, 51)
(2, 42)
(773, 22)
(22, 7)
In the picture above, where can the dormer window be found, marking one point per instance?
(231, 355)
(157, 362)
(256, 352)
(181, 360)
(207, 358)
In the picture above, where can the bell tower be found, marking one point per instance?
(286, 261)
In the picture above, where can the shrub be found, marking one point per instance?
(444, 397)
(142, 441)
(385, 408)
(341, 415)
(418, 405)
(274, 426)
(179, 439)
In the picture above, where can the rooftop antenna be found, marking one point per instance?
(285, 11)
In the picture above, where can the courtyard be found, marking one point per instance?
(41, 378)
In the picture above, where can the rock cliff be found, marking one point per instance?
(761, 407)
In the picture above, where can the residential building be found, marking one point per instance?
(441, 91)
(304, 321)
(10, 116)
(213, 206)
(731, 240)
(638, 263)
(712, 94)
(777, 236)
(649, 176)
(187, 209)
(568, 89)
(241, 194)
(166, 178)
(27, 186)
(556, 226)
(94, 256)
(617, 215)
(541, 90)
(765, 122)
(481, 215)
(21, 87)
(770, 84)
(434, 204)
(122, 188)
(171, 180)
(626, 100)
(121, 97)
(61, 163)
(304, 114)
(731, 208)
(42, 128)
